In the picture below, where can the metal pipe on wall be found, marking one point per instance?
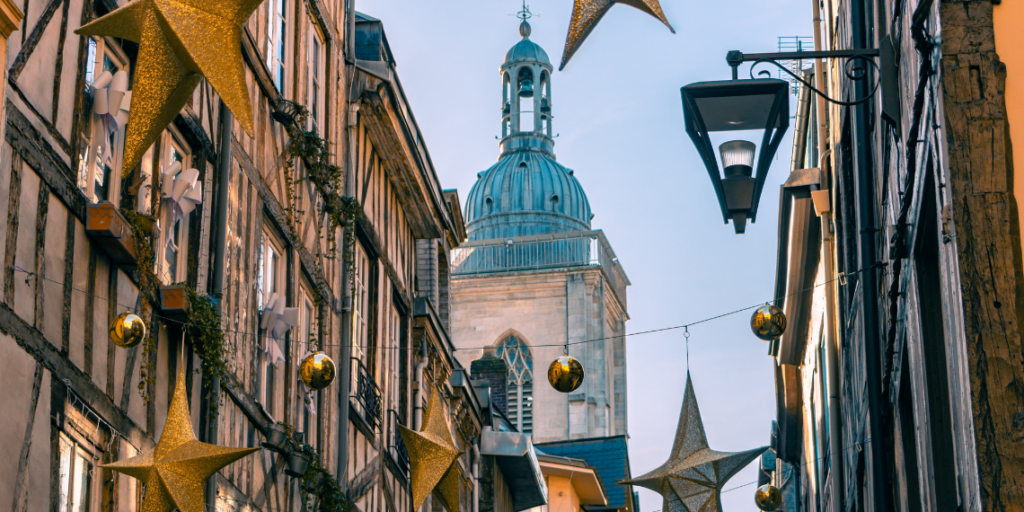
(345, 386)
(880, 483)
(219, 251)
(474, 453)
(833, 392)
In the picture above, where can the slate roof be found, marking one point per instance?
(608, 455)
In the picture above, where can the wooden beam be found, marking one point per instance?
(45, 353)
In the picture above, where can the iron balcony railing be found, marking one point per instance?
(397, 445)
(547, 251)
(367, 394)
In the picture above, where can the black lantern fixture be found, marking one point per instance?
(734, 105)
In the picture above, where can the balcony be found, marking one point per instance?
(547, 251)
(397, 445)
(367, 395)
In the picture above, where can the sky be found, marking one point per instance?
(618, 114)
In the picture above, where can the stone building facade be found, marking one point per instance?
(534, 276)
(900, 266)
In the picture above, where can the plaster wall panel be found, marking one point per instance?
(25, 255)
(76, 348)
(127, 294)
(36, 80)
(127, 488)
(52, 281)
(16, 379)
(69, 72)
(100, 323)
(38, 476)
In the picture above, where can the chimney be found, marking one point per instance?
(493, 370)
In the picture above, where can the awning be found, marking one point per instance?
(517, 460)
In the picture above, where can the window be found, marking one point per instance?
(360, 305)
(270, 280)
(308, 332)
(314, 87)
(277, 28)
(520, 382)
(77, 485)
(173, 224)
(101, 145)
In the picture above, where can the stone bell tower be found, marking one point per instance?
(534, 275)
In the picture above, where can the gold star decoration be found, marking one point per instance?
(586, 14)
(692, 478)
(432, 455)
(176, 470)
(180, 42)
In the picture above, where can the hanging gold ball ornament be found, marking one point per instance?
(768, 497)
(127, 330)
(317, 371)
(565, 374)
(768, 322)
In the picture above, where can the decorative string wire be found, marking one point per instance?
(842, 278)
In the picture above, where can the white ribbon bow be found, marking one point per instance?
(277, 319)
(182, 189)
(111, 100)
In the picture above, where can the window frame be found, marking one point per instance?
(265, 394)
(308, 325)
(87, 166)
(78, 451)
(277, 43)
(172, 140)
(316, 95)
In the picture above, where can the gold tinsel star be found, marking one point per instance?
(586, 14)
(433, 455)
(176, 470)
(692, 478)
(180, 42)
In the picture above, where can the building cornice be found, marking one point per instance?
(10, 18)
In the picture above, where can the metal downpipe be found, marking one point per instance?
(219, 250)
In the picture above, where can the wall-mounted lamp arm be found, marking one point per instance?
(852, 69)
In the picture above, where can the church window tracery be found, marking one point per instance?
(517, 356)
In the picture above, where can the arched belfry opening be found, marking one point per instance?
(516, 353)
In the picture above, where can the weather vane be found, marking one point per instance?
(525, 14)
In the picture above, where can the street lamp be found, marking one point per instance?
(733, 105)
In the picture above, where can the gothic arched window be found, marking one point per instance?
(520, 382)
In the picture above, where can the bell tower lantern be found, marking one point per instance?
(526, 94)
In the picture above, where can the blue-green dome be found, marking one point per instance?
(526, 193)
(526, 50)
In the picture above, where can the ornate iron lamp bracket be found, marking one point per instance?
(856, 67)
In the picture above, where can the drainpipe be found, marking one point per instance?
(474, 453)
(345, 387)
(219, 249)
(417, 401)
(832, 389)
(881, 485)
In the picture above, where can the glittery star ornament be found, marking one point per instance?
(180, 42)
(586, 14)
(692, 478)
(432, 455)
(176, 470)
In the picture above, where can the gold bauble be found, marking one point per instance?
(768, 322)
(127, 330)
(317, 371)
(565, 374)
(768, 497)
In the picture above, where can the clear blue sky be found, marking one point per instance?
(617, 108)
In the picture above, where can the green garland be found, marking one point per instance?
(142, 231)
(204, 330)
(342, 211)
(321, 485)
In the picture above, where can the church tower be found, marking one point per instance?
(535, 276)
